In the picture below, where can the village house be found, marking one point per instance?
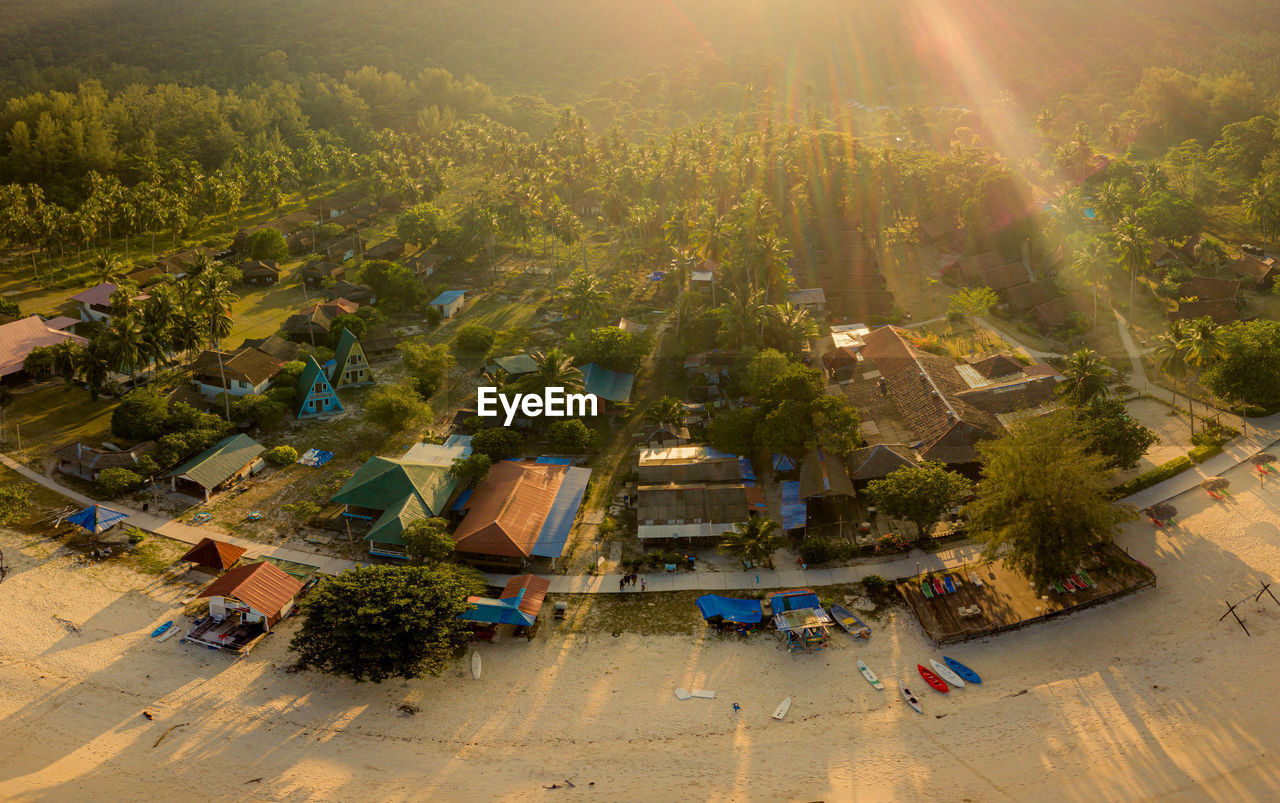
(287, 225)
(350, 367)
(515, 365)
(283, 350)
(841, 351)
(316, 273)
(225, 463)
(343, 249)
(387, 249)
(826, 490)
(449, 302)
(521, 513)
(1023, 298)
(662, 436)
(86, 462)
(244, 604)
(216, 556)
(316, 397)
(587, 205)
(693, 493)
(1260, 272)
(360, 294)
(609, 386)
(425, 263)
(259, 272)
(1205, 288)
(94, 304)
(630, 326)
(314, 322)
(246, 370)
(1221, 311)
(389, 494)
(336, 204)
(179, 264)
(812, 299)
(18, 339)
(967, 271)
(877, 462)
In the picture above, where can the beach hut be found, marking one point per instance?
(449, 302)
(351, 369)
(518, 606)
(97, 519)
(730, 613)
(244, 604)
(799, 617)
(316, 396)
(212, 554)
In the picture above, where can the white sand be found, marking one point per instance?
(1148, 697)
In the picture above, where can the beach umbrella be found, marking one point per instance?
(1262, 458)
(1215, 483)
(97, 518)
(1164, 510)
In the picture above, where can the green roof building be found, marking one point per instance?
(230, 459)
(391, 495)
(351, 368)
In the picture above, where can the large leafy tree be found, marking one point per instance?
(381, 622)
(1249, 369)
(427, 541)
(610, 347)
(920, 494)
(972, 303)
(397, 407)
(1042, 503)
(1105, 424)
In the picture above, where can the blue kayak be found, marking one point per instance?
(967, 674)
(162, 628)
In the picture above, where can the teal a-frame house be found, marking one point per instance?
(315, 394)
(350, 366)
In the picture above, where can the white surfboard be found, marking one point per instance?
(870, 676)
(946, 673)
(705, 694)
(168, 634)
(783, 708)
(683, 694)
(475, 665)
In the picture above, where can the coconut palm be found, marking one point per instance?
(1259, 204)
(1132, 252)
(755, 539)
(1090, 265)
(213, 299)
(107, 266)
(585, 296)
(1202, 348)
(1171, 356)
(125, 343)
(1086, 375)
(555, 369)
(1109, 201)
(65, 359)
(789, 327)
(94, 369)
(667, 410)
(741, 316)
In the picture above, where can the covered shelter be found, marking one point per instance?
(515, 365)
(229, 460)
(97, 519)
(799, 617)
(213, 554)
(86, 462)
(612, 386)
(244, 604)
(391, 494)
(519, 606)
(730, 613)
(449, 302)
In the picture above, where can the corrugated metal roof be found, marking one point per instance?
(214, 554)
(448, 297)
(515, 365)
(382, 483)
(794, 510)
(261, 586)
(212, 467)
(613, 386)
(390, 526)
(509, 509)
(564, 510)
(18, 338)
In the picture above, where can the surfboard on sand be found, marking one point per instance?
(705, 694)
(943, 671)
(475, 665)
(869, 675)
(683, 694)
(168, 634)
(783, 708)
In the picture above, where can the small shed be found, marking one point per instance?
(229, 460)
(519, 605)
(259, 271)
(213, 554)
(449, 302)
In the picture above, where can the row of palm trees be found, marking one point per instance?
(1185, 351)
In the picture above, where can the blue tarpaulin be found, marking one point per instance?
(463, 498)
(730, 609)
(496, 612)
(783, 463)
(97, 518)
(793, 507)
(798, 599)
(555, 461)
(564, 509)
(315, 458)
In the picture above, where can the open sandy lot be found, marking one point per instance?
(1149, 697)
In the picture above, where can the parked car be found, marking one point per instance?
(1256, 250)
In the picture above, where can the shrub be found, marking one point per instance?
(301, 510)
(1160, 473)
(875, 584)
(892, 543)
(821, 550)
(14, 502)
(474, 337)
(432, 315)
(570, 435)
(1202, 453)
(282, 455)
(114, 482)
(135, 535)
(498, 443)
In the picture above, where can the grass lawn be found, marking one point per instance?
(50, 415)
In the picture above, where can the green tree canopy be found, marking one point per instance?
(381, 622)
(755, 539)
(428, 541)
(1042, 503)
(475, 338)
(422, 224)
(1249, 369)
(1105, 424)
(498, 443)
(397, 407)
(920, 494)
(611, 348)
(471, 469)
(268, 244)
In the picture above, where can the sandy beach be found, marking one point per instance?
(1149, 697)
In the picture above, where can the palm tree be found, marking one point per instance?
(1258, 204)
(555, 369)
(94, 369)
(585, 295)
(755, 539)
(65, 359)
(1171, 355)
(107, 266)
(1131, 251)
(1086, 375)
(741, 316)
(1202, 348)
(790, 327)
(667, 410)
(1109, 201)
(1090, 264)
(125, 342)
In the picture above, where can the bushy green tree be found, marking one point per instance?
(1249, 370)
(140, 415)
(498, 443)
(471, 470)
(397, 407)
(282, 455)
(920, 494)
(570, 435)
(113, 482)
(381, 622)
(427, 541)
(475, 338)
(1105, 424)
(611, 348)
(268, 244)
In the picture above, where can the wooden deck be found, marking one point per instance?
(1007, 600)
